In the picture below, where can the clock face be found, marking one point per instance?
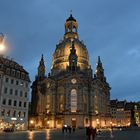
(73, 81)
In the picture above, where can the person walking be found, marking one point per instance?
(63, 128)
(73, 129)
(69, 128)
(93, 133)
(88, 133)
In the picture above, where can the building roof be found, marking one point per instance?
(5, 63)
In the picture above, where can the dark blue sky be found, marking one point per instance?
(109, 28)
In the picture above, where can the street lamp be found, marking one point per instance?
(31, 122)
(2, 45)
(98, 123)
(110, 124)
(31, 126)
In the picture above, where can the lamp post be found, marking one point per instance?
(31, 125)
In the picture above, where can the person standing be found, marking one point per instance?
(93, 133)
(69, 128)
(88, 133)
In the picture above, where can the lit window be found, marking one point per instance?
(48, 98)
(14, 113)
(8, 113)
(24, 114)
(3, 112)
(73, 100)
(19, 114)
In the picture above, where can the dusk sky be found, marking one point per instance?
(109, 28)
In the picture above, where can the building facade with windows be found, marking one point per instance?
(124, 114)
(14, 95)
(71, 94)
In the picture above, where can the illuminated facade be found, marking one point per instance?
(71, 94)
(124, 114)
(14, 95)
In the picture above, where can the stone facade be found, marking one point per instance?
(14, 95)
(70, 94)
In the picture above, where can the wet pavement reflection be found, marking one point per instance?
(30, 135)
(77, 135)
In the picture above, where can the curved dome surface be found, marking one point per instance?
(62, 52)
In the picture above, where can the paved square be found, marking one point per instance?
(77, 135)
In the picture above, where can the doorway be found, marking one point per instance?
(73, 122)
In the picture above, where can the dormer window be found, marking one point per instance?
(13, 72)
(12, 64)
(22, 76)
(18, 74)
(7, 70)
(7, 63)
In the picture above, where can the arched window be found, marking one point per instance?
(73, 100)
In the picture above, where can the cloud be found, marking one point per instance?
(109, 28)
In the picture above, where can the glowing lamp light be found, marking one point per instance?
(48, 122)
(13, 119)
(2, 47)
(31, 121)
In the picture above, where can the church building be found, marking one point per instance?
(72, 94)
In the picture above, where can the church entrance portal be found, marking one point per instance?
(73, 122)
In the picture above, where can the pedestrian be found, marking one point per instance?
(73, 129)
(93, 133)
(66, 128)
(69, 128)
(88, 132)
(63, 128)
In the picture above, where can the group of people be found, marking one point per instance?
(66, 128)
(91, 133)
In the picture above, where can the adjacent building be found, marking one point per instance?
(71, 94)
(124, 114)
(14, 95)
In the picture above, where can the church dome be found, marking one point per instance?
(62, 51)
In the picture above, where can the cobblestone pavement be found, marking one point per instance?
(77, 135)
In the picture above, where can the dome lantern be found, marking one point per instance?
(71, 27)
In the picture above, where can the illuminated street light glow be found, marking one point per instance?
(2, 45)
(31, 121)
